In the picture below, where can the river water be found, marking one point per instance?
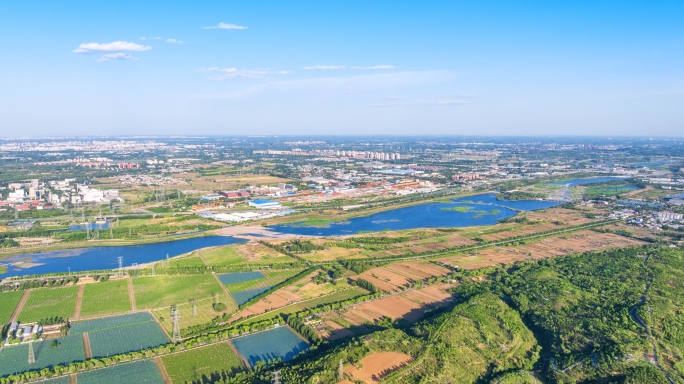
(97, 258)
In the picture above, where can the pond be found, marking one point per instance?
(98, 258)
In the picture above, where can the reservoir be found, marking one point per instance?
(98, 258)
(467, 211)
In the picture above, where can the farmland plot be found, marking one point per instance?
(8, 301)
(144, 371)
(279, 343)
(377, 365)
(164, 291)
(205, 312)
(191, 366)
(105, 298)
(577, 242)
(45, 303)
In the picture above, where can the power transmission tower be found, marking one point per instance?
(31, 356)
(135, 270)
(276, 377)
(120, 266)
(194, 307)
(176, 338)
(340, 369)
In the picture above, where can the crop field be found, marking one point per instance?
(377, 365)
(8, 301)
(280, 343)
(393, 277)
(144, 371)
(205, 312)
(105, 298)
(164, 291)
(44, 303)
(193, 365)
(576, 242)
(248, 253)
(14, 358)
(240, 277)
(119, 334)
(272, 278)
(410, 306)
(272, 301)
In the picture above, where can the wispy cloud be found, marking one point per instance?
(373, 67)
(224, 74)
(115, 56)
(151, 38)
(324, 67)
(225, 26)
(116, 46)
(174, 41)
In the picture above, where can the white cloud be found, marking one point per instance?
(223, 74)
(151, 38)
(116, 46)
(174, 41)
(115, 56)
(375, 67)
(225, 26)
(324, 67)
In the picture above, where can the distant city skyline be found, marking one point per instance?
(363, 68)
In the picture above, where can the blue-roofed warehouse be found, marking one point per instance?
(265, 204)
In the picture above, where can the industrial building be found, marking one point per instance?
(265, 204)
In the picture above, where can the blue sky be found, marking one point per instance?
(344, 67)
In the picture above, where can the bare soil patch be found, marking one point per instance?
(378, 365)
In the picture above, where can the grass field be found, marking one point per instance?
(205, 312)
(105, 298)
(8, 301)
(240, 277)
(44, 303)
(194, 365)
(164, 291)
(14, 358)
(222, 256)
(144, 371)
(181, 262)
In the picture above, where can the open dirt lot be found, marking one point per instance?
(377, 365)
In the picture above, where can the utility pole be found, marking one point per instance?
(153, 269)
(31, 355)
(176, 328)
(135, 270)
(120, 266)
(340, 369)
(194, 307)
